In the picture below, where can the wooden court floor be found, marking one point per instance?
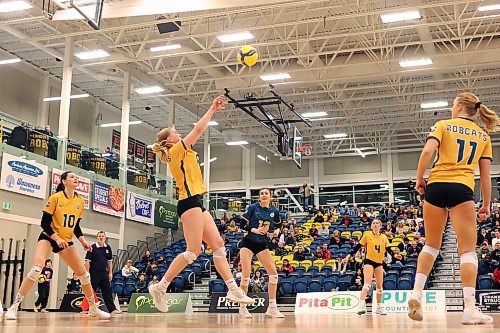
(221, 323)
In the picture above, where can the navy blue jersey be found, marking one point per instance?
(256, 217)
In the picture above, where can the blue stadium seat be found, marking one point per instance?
(286, 287)
(390, 283)
(329, 284)
(344, 283)
(293, 276)
(118, 288)
(300, 270)
(327, 270)
(314, 286)
(218, 286)
(129, 289)
(485, 282)
(300, 286)
(405, 283)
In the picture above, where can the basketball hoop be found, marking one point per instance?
(307, 149)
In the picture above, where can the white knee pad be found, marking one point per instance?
(379, 291)
(367, 287)
(273, 279)
(244, 281)
(34, 273)
(189, 256)
(469, 258)
(432, 251)
(220, 252)
(84, 279)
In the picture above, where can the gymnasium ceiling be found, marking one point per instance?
(341, 57)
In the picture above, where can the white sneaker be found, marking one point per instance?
(116, 312)
(159, 298)
(244, 312)
(273, 311)
(43, 311)
(474, 316)
(94, 311)
(35, 308)
(11, 313)
(239, 296)
(415, 306)
(362, 309)
(380, 311)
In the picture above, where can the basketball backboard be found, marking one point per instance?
(90, 10)
(297, 143)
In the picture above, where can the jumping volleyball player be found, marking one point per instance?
(376, 246)
(258, 221)
(198, 224)
(61, 220)
(461, 145)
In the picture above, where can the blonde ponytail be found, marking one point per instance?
(488, 118)
(473, 106)
(162, 145)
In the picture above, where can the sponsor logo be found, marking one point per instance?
(166, 212)
(10, 181)
(77, 302)
(339, 302)
(490, 299)
(25, 168)
(142, 301)
(222, 302)
(77, 206)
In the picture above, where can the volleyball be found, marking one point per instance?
(248, 55)
(42, 278)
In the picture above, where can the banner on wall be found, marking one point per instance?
(488, 300)
(151, 158)
(327, 302)
(23, 176)
(108, 199)
(131, 149)
(177, 303)
(39, 143)
(83, 187)
(166, 215)
(140, 152)
(397, 301)
(115, 141)
(140, 208)
(219, 303)
(74, 154)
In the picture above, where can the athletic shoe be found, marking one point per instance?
(96, 312)
(159, 298)
(116, 312)
(244, 312)
(474, 316)
(273, 311)
(35, 308)
(362, 309)
(11, 313)
(239, 296)
(415, 306)
(43, 311)
(380, 311)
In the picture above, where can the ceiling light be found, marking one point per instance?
(209, 161)
(210, 123)
(487, 8)
(166, 48)
(149, 90)
(335, 136)
(58, 98)
(261, 157)
(401, 16)
(92, 54)
(359, 152)
(314, 114)
(235, 37)
(12, 6)
(415, 62)
(9, 61)
(272, 77)
(236, 143)
(135, 122)
(433, 105)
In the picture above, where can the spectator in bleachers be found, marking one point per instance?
(73, 285)
(289, 239)
(400, 229)
(421, 228)
(337, 239)
(323, 232)
(352, 264)
(400, 211)
(361, 211)
(141, 285)
(280, 250)
(236, 218)
(410, 212)
(129, 270)
(258, 282)
(286, 267)
(319, 217)
(496, 239)
(161, 259)
(483, 235)
(495, 217)
(292, 225)
(397, 257)
(313, 210)
(496, 224)
(224, 217)
(372, 213)
(403, 246)
(483, 251)
(305, 193)
(420, 214)
(346, 220)
(147, 259)
(495, 255)
(325, 253)
(300, 254)
(354, 210)
(418, 238)
(406, 221)
(358, 281)
(414, 250)
(313, 232)
(485, 266)
(317, 255)
(233, 228)
(496, 278)
(392, 208)
(413, 226)
(419, 202)
(152, 269)
(364, 219)
(153, 281)
(384, 210)
(330, 216)
(222, 227)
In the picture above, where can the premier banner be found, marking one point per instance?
(177, 303)
(140, 208)
(23, 176)
(83, 187)
(219, 303)
(108, 199)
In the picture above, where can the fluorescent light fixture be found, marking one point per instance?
(273, 77)
(12, 6)
(149, 90)
(209, 161)
(314, 114)
(58, 98)
(359, 152)
(401, 16)
(210, 123)
(487, 8)
(335, 136)
(236, 143)
(239, 36)
(434, 105)
(166, 47)
(135, 122)
(92, 54)
(9, 61)
(415, 62)
(261, 157)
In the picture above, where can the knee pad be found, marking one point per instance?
(432, 251)
(189, 256)
(469, 258)
(244, 281)
(379, 291)
(34, 273)
(273, 279)
(220, 252)
(85, 278)
(367, 287)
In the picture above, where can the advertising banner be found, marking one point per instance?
(115, 141)
(488, 300)
(108, 199)
(140, 208)
(327, 302)
(177, 303)
(140, 152)
(166, 215)
(83, 187)
(219, 304)
(23, 176)
(73, 303)
(397, 301)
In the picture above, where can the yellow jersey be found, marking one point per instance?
(462, 144)
(375, 246)
(65, 213)
(183, 163)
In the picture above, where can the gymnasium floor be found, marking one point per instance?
(64, 323)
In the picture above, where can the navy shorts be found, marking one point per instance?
(53, 243)
(448, 195)
(372, 263)
(192, 202)
(253, 246)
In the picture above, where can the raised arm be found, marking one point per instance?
(200, 127)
